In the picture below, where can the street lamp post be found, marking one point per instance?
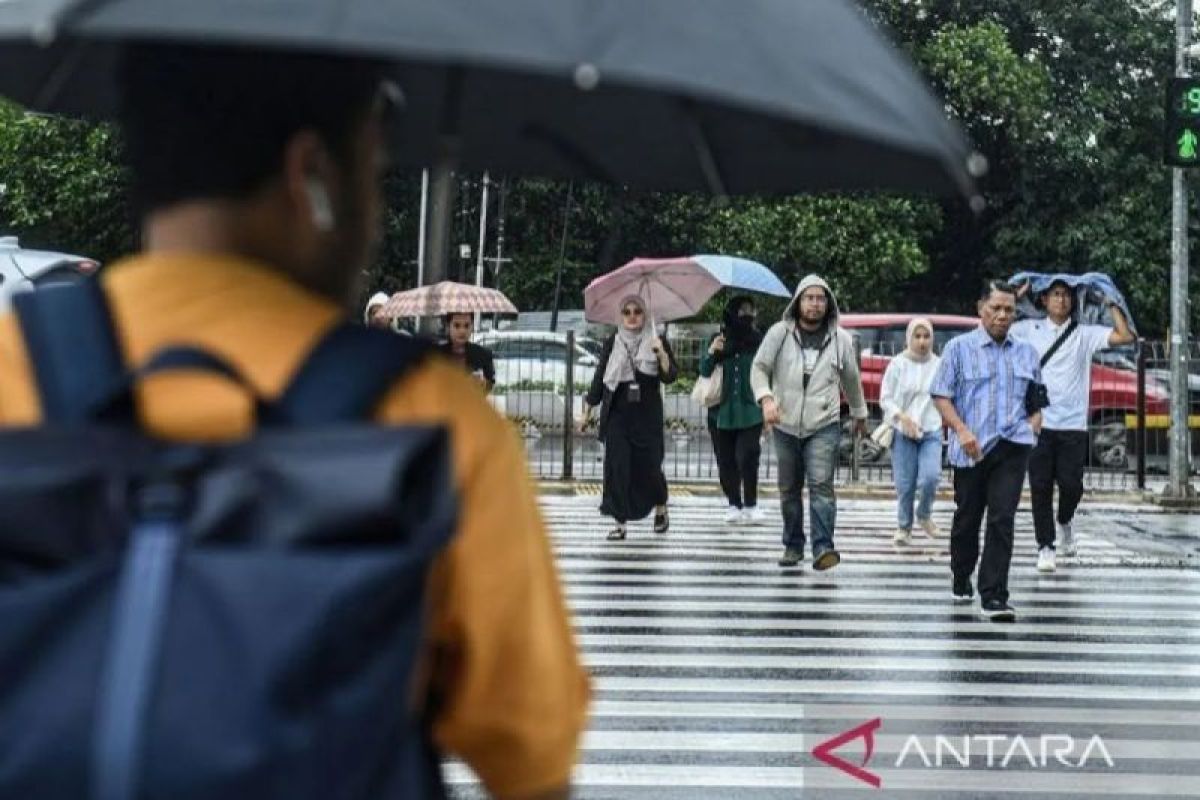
(1178, 484)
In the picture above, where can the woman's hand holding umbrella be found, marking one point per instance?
(660, 353)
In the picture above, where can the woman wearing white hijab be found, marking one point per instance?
(627, 386)
(917, 441)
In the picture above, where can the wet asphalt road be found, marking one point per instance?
(718, 674)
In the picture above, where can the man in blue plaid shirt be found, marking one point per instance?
(980, 390)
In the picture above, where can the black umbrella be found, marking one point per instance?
(728, 96)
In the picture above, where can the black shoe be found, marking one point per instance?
(790, 558)
(617, 534)
(661, 522)
(962, 591)
(997, 611)
(827, 560)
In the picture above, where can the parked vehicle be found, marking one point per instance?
(25, 270)
(540, 357)
(1113, 392)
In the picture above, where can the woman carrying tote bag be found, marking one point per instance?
(735, 424)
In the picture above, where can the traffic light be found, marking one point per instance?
(1181, 135)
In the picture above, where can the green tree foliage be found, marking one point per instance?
(867, 248)
(61, 186)
(1063, 99)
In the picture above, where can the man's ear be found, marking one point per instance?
(308, 172)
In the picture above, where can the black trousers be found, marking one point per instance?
(738, 452)
(993, 485)
(1058, 459)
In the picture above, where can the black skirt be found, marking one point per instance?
(633, 455)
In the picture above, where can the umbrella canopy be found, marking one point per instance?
(742, 273)
(447, 297)
(673, 288)
(728, 97)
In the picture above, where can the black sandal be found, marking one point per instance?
(662, 522)
(616, 535)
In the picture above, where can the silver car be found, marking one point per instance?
(539, 358)
(25, 270)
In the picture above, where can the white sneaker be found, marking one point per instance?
(930, 527)
(733, 516)
(902, 536)
(753, 515)
(1046, 560)
(1066, 538)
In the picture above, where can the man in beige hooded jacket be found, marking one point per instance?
(804, 365)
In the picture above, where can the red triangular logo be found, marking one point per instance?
(866, 732)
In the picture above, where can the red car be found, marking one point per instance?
(1113, 391)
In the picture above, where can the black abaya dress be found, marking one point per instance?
(632, 433)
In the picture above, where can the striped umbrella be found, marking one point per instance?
(448, 297)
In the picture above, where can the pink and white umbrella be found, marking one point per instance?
(673, 288)
(448, 297)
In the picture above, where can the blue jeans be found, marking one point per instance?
(813, 457)
(916, 468)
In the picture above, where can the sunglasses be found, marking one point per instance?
(631, 312)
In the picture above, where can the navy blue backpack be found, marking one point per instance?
(233, 621)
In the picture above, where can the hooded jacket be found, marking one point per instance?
(778, 370)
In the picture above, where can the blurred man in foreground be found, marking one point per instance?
(258, 178)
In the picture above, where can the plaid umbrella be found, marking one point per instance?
(448, 297)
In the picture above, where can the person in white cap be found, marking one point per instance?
(371, 314)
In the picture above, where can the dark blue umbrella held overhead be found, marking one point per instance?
(753, 96)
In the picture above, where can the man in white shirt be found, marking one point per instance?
(1062, 445)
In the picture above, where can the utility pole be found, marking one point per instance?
(1179, 470)
(499, 260)
(562, 255)
(423, 226)
(483, 211)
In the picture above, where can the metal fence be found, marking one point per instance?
(1146, 429)
(1128, 417)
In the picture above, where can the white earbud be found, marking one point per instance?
(318, 198)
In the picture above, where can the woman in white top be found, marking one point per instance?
(917, 442)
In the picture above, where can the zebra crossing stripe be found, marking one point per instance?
(717, 673)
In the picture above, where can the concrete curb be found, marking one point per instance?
(1147, 500)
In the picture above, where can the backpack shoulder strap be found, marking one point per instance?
(779, 347)
(347, 374)
(72, 344)
(1062, 337)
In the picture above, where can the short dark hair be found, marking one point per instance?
(212, 122)
(993, 285)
